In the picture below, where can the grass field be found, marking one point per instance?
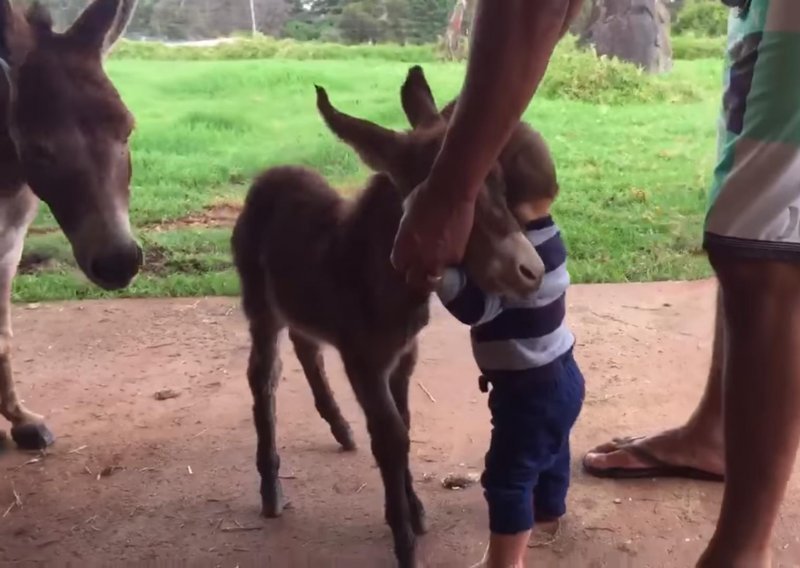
(634, 156)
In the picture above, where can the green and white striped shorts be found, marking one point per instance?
(754, 205)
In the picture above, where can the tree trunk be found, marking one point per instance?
(459, 29)
(636, 31)
(253, 25)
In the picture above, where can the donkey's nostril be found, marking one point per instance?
(527, 272)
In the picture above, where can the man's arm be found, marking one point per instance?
(512, 43)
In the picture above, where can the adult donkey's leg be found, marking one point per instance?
(27, 428)
(389, 441)
(310, 355)
(398, 382)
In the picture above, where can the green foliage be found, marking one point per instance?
(326, 8)
(578, 74)
(573, 74)
(691, 47)
(270, 48)
(428, 19)
(360, 22)
(352, 21)
(398, 17)
(703, 18)
(299, 30)
(192, 19)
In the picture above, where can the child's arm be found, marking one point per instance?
(462, 298)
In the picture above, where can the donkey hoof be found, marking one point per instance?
(32, 436)
(407, 559)
(275, 510)
(344, 436)
(419, 524)
(273, 503)
(348, 445)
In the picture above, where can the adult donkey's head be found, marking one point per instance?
(69, 130)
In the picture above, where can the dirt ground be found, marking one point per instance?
(141, 481)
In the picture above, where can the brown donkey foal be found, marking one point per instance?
(63, 139)
(318, 264)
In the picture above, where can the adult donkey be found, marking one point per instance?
(64, 140)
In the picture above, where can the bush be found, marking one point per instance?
(269, 48)
(703, 18)
(301, 31)
(573, 73)
(690, 47)
(580, 75)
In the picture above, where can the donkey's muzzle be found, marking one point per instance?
(115, 269)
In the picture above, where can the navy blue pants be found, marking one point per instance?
(528, 463)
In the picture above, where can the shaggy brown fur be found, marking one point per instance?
(319, 265)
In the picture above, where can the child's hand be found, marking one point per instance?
(451, 283)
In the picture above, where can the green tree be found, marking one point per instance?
(427, 19)
(327, 8)
(702, 17)
(397, 21)
(296, 9)
(361, 22)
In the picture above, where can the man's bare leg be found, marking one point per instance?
(698, 443)
(761, 390)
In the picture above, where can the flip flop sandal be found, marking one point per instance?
(655, 466)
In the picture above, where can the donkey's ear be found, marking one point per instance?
(124, 17)
(417, 99)
(18, 32)
(379, 148)
(102, 23)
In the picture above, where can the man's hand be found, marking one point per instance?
(512, 42)
(433, 235)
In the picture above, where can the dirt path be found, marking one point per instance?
(183, 486)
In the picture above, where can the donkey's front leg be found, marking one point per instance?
(27, 429)
(399, 380)
(390, 446)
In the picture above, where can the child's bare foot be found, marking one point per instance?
(505, 551)
(546, 532)
(484, 560)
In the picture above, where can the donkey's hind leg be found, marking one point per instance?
(263, 374)
(27, 428)
(399, 383)
(310, 355)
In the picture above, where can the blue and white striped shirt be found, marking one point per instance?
(516, 337)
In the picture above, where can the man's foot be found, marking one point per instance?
(722, 556)
(681, 452)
